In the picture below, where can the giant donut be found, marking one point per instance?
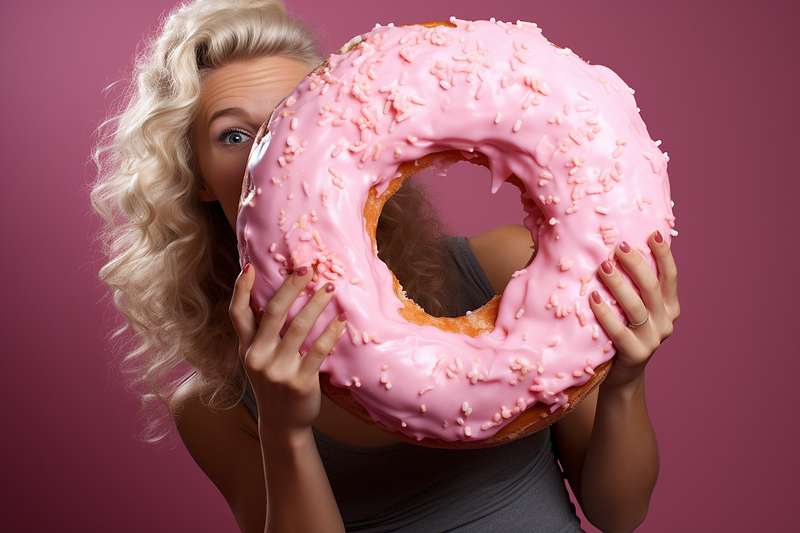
(398, 99)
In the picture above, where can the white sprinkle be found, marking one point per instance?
(444, 84)
(497, 118)
(481, 90)
(595, 332)
(673, 233)
(602, 210)
(517, 125)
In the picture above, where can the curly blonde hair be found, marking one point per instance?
(173, 258)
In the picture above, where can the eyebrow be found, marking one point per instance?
(229, 111)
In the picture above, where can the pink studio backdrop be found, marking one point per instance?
(715, 81)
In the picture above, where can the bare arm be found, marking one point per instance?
(607, 446)
(609, 452)
(271, 474)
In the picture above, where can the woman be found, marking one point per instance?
(285, 457)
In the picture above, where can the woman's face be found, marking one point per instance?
(234, 101)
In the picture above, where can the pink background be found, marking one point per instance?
(716, 80)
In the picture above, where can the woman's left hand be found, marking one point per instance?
(650, 314)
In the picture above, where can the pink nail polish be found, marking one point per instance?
(607, 268)
(302, 271)
(624, 247)
(658, 237)
(596, 297)
(330, 287)
(342, 316)
(246, 268)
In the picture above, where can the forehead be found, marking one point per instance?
(254, 85)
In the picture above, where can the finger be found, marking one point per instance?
(649, 301)
(239, 310)
(276, 310)
(621, 336)
(667, 273)
(323, 346)
(301, 324)
(631, 303)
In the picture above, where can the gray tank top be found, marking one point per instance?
(516, 487)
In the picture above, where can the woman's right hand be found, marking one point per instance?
(285, 382)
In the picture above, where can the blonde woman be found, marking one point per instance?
(245, 403)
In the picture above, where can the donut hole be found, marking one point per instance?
(462, 196)
(436, 174)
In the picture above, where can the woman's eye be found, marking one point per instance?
(233, 137)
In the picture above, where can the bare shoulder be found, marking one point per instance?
(224, 444)
(188, 410)
(501, 252)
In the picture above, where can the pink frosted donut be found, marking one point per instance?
(568, 133)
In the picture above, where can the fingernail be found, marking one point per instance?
(342, 316)
(624, 248)
(607, 268)
(596, 297)
(246, 268)
(330, 287)
(302, 271)
(658, 237)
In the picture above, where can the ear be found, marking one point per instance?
(206, 194)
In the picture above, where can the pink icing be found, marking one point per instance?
(570, 131)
